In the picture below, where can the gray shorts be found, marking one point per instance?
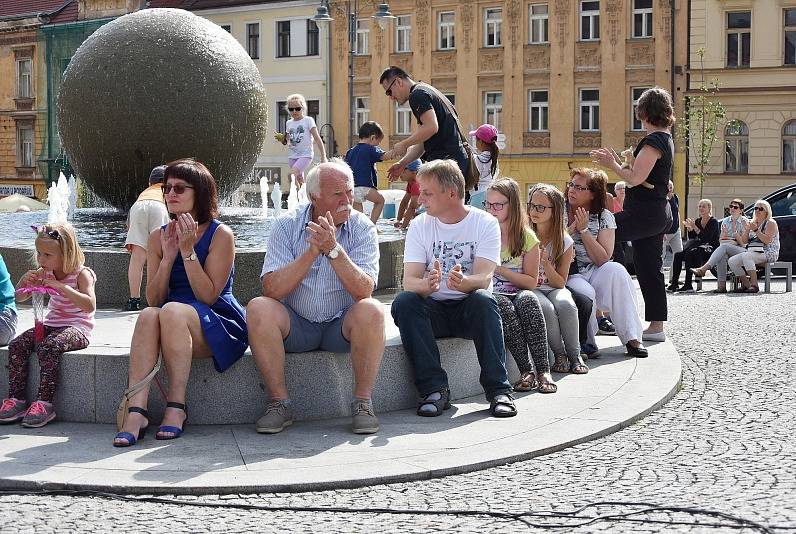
(306, 336)
(8, 325)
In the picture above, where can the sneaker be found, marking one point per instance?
(605, 326)
(12, 410)
(39, 414)
(133, 304)
(590, 350)
(363, 418)
(278, 415)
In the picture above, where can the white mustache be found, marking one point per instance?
(349, 207)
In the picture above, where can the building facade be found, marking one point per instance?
(750, 48)
(556, 77)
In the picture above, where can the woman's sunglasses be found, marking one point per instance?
(760, 208)
(294, 109)
(52, 234)
(735, 207)
(178, 188)
(538, 208)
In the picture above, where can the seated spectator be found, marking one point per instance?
(515, 278)
(8, 306)
(410, 201)
(619, 199)
(318, 279)
(192, 313)
(732, 241)
(450, 256)
(146, 214)
(762, 236)
(362, 159)
(703, 238)
(546, 211)
(592, 227)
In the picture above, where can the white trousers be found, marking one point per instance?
(612, 290)
(747, 262)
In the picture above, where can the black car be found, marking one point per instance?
(783, 207)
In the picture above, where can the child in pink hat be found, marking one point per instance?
(486, 159)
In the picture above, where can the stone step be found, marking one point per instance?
(320, 383)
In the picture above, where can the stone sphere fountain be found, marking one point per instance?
(154, 86)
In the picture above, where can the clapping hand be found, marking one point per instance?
(322, 235)
(433, 277)
(456, 278)
(581, 217)
(169, 244)
(186, 229)
(605, 156)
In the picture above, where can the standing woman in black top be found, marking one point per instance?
(646, 215)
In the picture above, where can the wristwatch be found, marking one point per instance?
(192, 257)
(332, 254)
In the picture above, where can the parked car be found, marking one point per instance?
(783, 207)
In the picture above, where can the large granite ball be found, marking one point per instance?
(154, 86)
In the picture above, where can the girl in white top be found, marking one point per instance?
(487, 158)
(546, 212)
(300, 132)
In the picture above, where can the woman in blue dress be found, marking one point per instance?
(192, 313)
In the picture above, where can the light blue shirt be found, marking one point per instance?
(733, 229)
(320, 296)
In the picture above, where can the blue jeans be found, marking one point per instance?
(421, 320)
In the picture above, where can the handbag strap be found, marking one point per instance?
(451, 109)
(135, 388)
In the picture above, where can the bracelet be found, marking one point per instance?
(584, 230)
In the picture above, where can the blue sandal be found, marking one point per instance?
(131, 439)
(177, 431)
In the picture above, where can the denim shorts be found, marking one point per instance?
(306, 336)
(8, 325)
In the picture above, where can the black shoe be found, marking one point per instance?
(685, 288)
(133, 304)
(636, 352)
(671, 288)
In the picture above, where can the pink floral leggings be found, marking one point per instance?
(56, 342)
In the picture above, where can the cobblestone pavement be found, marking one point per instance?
(724, 443)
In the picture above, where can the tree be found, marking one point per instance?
(703, 114)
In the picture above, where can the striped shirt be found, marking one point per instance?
(320, 296)
(62, 312)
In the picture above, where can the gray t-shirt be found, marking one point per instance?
(596, 223)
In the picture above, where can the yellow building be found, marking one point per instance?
(750, 47)
(556, 77)
(291, 53)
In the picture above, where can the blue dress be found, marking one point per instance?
(223, 323)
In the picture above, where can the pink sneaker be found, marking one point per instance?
(12, 410)
(39, 414)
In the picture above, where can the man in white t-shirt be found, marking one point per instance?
(450, 254)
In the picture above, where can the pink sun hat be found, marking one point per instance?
(486, 133)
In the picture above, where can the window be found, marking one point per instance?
(253, 40)
(24, 146)
(635, 123)
(24, 79)
(790, 37)
(312, 38)
(403, 119)
(447, 31)
(537, 111)
(493, 24)
(313, 110)
(296, 38)
(736, 136)
(789, 147)
(589, 20)
(589, 110)
(493, 108)
(227, 28)
(361, 38)
(403, 33)
(362, 111)
(642, 18)
(538, 23)
(739, 37)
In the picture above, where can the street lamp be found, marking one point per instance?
(383, 18)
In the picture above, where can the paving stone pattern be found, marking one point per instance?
(724, 443)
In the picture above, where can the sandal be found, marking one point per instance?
(546, 385)
(177, 431)
(527, 382)
(131, 439)
(440, 404)
(502, 405)
(577, 367)
(752, 289)
(561, 364)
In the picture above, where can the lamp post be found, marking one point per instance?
(383, 18)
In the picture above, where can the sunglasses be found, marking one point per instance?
(539, 208)
(734, 207)
(388, 92)
(178, 188)
(294, 109)
(497, 206)
(52, 234)
(577, 187)
(760, 208)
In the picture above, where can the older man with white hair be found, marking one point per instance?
(318, 278)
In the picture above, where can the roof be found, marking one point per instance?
(193, 5)
(32, 8)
